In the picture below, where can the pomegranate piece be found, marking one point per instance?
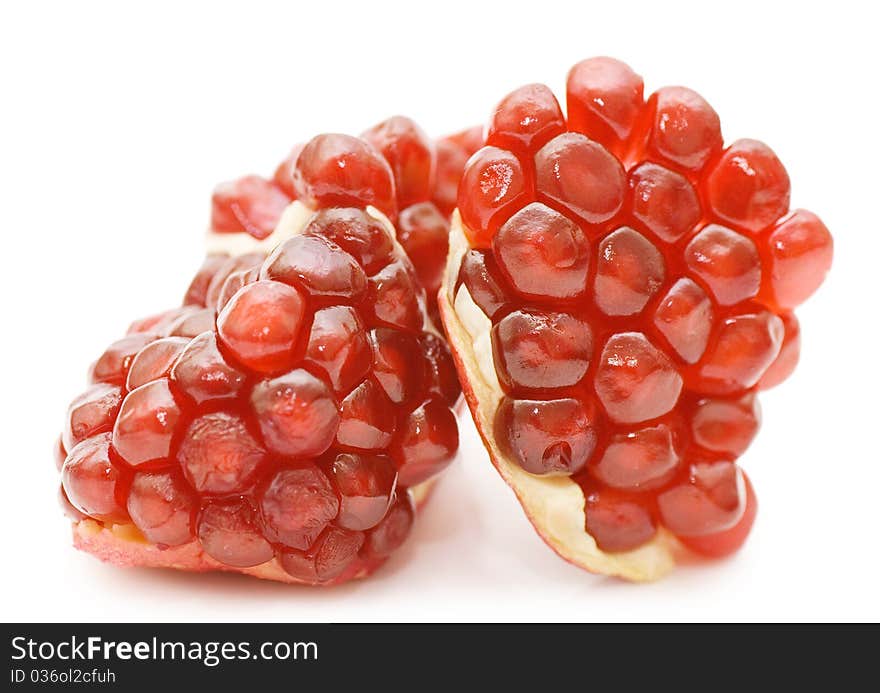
(619, 289)
(250, 204)
(282, 439)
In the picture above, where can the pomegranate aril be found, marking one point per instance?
(541, 350)
(196, 294)
(682, 128)
(202, 374)
(726, 425)
(711, 500)
(603, 98)
(390, 534)
(92, 482)
(543, 254)
(356, 232)
(398, 365)
(112, 366)
(219, 455)
(154, 361)
(296, 414)
(442, 377)
(748, 187)
(409, 152)
(745, 348)
(635, 381)
(664, 201)
(452, 153)
(727, 261)
(233, 283)
(616, 522)
(156, 324)
(492, 186)
(393, 298)
(365, 484)
(229, 533)
(192, 324)
(70, 512)
(94, 411)
(318, 267)
(424, 234)
(296, 505)
(479, 273)
(789, 354)
(227, 269)
(261, 325)
(366, 418)
(582, 176)
(251, 204)
(426, 442)
(725, 542)
(344, 171)
(546, 436)
(799, 251)
(162, 507)
(333, 551)
(338, 346)
(145, 427)
(685, 317)
(283, 176)
(630, 271)
(525, 119)
(637, 460)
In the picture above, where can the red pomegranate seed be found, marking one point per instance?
(726, 426)
(226, 270)
(193, 324)
(338, 346)
(728, 263)
(495, 184)
(616, 522)
(799, 255)
(744, 350)
(525, 119)
(296, 414)
(343, 171)
(604, 97)
(664, 201)
(94, 411)
(318, 267)
(366, 418)
(333, 551)
(480, 274)
(635, 381)
(283, 176)
(154, 361)
(424, 234)
(92, 482)
(541, 351)
(582, 176)
(393, 298)
(748, 187)
(390, 534)
(725, 542)
(442, 377)
(630, 270)
(452, 153)
(398, 365)
(233, 283)
(683, 128)
(363, 237)
(641, 459)
(196, 294)
(685, 318)
(67, 508)
(365, 484)
(710, 501)
(409, 152)
(261, 324)
(157, 323)
(788, 357)
(543, 254)
(203, 375)
(219, 455)
(163, 508)
(145, 426)
(250, 204)
(228, 532)
(296, 505)
(112, 366)
(426, 442)
(546, 436)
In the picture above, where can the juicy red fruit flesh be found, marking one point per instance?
(639, 278)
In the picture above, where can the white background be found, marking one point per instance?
(116, 124)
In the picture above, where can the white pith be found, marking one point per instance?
(555, 505)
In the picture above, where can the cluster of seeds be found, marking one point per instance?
(640, 279)
(288, 407)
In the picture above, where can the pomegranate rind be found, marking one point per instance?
(554, 505)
